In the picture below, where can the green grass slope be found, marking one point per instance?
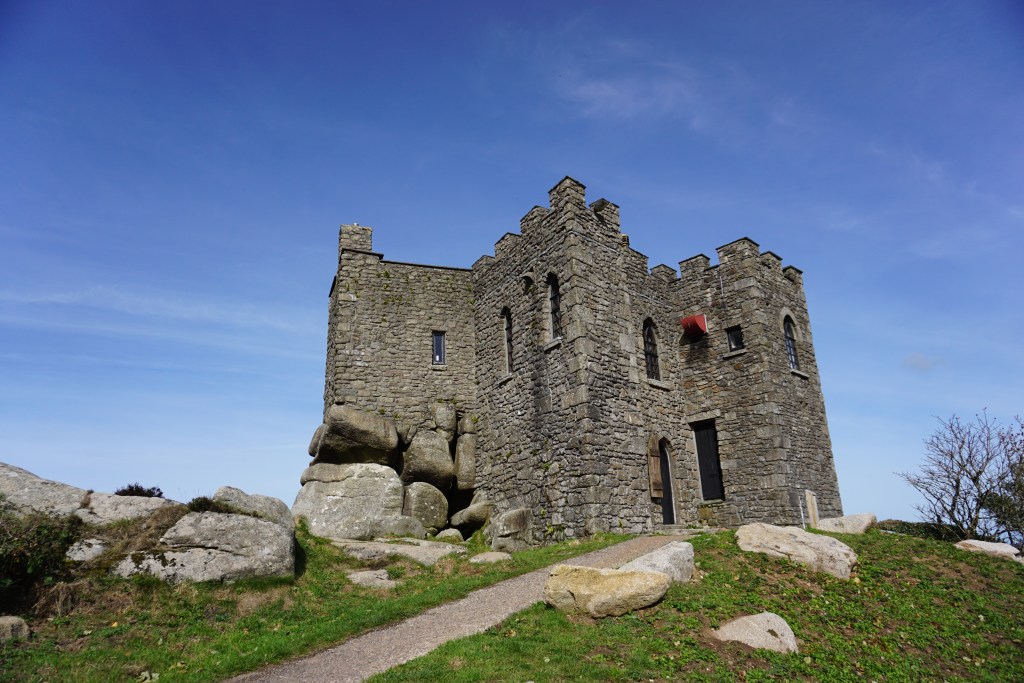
(917, 610)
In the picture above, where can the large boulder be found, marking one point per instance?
(674, 559)
(467, 424)
(988, 548)
(427, 504)
(210, 546)
(445, 418)
(27, 492)
(104, 508)
(820, 553)
(603, 592)
(465, 462)
(510, 531)
(417, 550)
(265, 507)
(351, 435)
(354, 502)
(764, 631)
(850, 524)
(472, 518)
(428, 460)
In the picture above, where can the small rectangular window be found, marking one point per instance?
(438, 348)
(735, 336)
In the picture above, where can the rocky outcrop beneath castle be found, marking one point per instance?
(212, 546)
(350, 435)
(355, 501)
(372, 477)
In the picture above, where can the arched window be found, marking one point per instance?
(790, 336)
(651, 351)
(554, 306)
(506, 320)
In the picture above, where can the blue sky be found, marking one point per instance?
(172, 176)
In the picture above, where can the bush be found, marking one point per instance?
(204, 504)
(32, 548)
(137, 489)
(929, 530)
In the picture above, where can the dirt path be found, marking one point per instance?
(371, 653)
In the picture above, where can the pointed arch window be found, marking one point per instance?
(554, 306)
(506, 321)
(651, 350)
(788, 331)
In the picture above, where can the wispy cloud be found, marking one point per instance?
(166, 306)
(653, 91)
(922, 363)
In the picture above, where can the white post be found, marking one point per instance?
(812, 507)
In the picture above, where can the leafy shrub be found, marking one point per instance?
(32, 548)
(930, 530)
(204, 504)
(137, 489)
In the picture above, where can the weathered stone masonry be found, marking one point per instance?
(572, 434)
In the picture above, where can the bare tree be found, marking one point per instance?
(963, 470)
(1006, 503)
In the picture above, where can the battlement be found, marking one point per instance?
(355, 236)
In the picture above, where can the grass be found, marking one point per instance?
(917, 610)
(108, 629)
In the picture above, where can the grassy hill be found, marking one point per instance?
(916, 610)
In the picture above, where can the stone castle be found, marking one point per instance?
(576, 391)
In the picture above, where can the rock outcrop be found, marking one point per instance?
(465, 462)
(27, 492)
(472, 518)
(820, 553)
(424, 552)
(510, 530)
(104, 508)
(211, 546)
(850, 524)
(354, 501)
(603, 592)
(429, 460)
(264, 507)
(988, 548)
(674, 559)
(427, 504)
(350, 435)
(764, 631)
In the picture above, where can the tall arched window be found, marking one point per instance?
(554, 306)
(651, 350)
(506, 321)
(790, 336)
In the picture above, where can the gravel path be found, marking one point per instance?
(371, 653)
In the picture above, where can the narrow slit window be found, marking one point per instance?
(651, 350)
(554, 307)
(790, 335)
(438, 348)
(506, 320)
(735, 337)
